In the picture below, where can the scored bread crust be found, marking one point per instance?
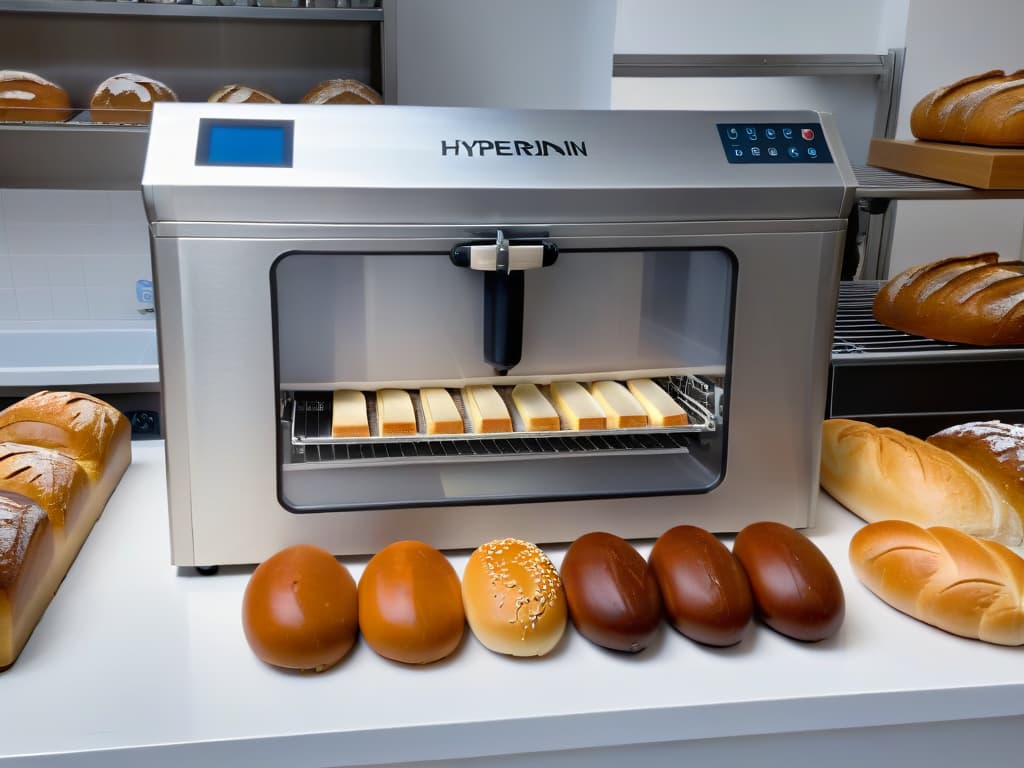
(128, 98)
(26, 97)
(241, 94)
(973, 299)
(341, 91)
(884, 474)
(944, 577)
(985, 109)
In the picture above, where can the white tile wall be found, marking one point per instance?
(70, 258)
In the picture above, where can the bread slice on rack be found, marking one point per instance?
(944, 577)
(973, 299)
(884, 474)
(54, 483)
(577, 408)
(537, 413)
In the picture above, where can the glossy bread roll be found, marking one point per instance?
(241, 94)
(410, 604)
(705, 590)
(966, 299)
(127, 98)
(513, 598)
(884, 474)
(796, 591)
(611, 592)
(300, 609)
(25, 97)
(944, 577)
(342, 91)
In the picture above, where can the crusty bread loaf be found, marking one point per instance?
(241, 94)
(967, 299)
(995, 450)
(986, 109)
(342, 92)
(884, 474)
(51, 494)
(127, 98)
(944, 577)
(25, 97)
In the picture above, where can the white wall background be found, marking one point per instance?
(946, 41)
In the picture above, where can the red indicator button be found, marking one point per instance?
(807, 134)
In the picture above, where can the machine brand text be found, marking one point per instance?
(512, 148)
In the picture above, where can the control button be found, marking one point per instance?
(812, 152)
(755, 151)
(751, 132)
(793, 152)
(787, 133)
(733, 134)
(769, 133)
(773, 152)
(738, 152)
(807, 134)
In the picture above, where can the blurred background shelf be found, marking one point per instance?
(83, 7)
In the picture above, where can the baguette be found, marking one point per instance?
(945, 578)
(884, 474)
(981, 109)
(26, 97)
(966, 299)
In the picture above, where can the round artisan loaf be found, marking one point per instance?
(884, 474)
(25, 97)
(513, 598)
(241, 94)
(944, 577)
(973, 299)
(981, 109)
(128, 98)
(342, 92)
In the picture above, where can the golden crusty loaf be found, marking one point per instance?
(986, 109)
(54, 484)
(944, 577)
(884, 474)
(994, 449)
(967, 299)
(241, 94)
(26, 97)
(128, 98)
(513, 598)
(341, 92)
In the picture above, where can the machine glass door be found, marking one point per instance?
(392, 394)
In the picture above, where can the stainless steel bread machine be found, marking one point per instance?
(301, 250)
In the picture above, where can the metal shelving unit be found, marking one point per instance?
(84, 7)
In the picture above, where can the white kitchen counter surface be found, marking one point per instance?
(138, 663)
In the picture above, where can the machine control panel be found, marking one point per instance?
(774, 143)
(254, 143)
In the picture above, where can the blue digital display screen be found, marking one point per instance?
(770, 143)
(258, 143)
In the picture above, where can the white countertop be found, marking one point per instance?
(134, 654)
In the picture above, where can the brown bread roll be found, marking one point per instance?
(300, 609)
(966, 299)
(945, 578)
(127, 98)
(796, 591)
(241, 94)
(981, 109)
(341, 91)
(513, 598)
(410, 604)
(611, 592)
(54, 482)
(884, 474)
(26, 97)
(705, 590)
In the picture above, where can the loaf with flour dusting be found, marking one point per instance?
(26, 97)
(128, 98)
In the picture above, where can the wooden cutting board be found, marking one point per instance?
(981, 167)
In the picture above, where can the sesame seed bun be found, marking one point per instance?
(513, 598)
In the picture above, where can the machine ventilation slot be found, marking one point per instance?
(312, 441)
